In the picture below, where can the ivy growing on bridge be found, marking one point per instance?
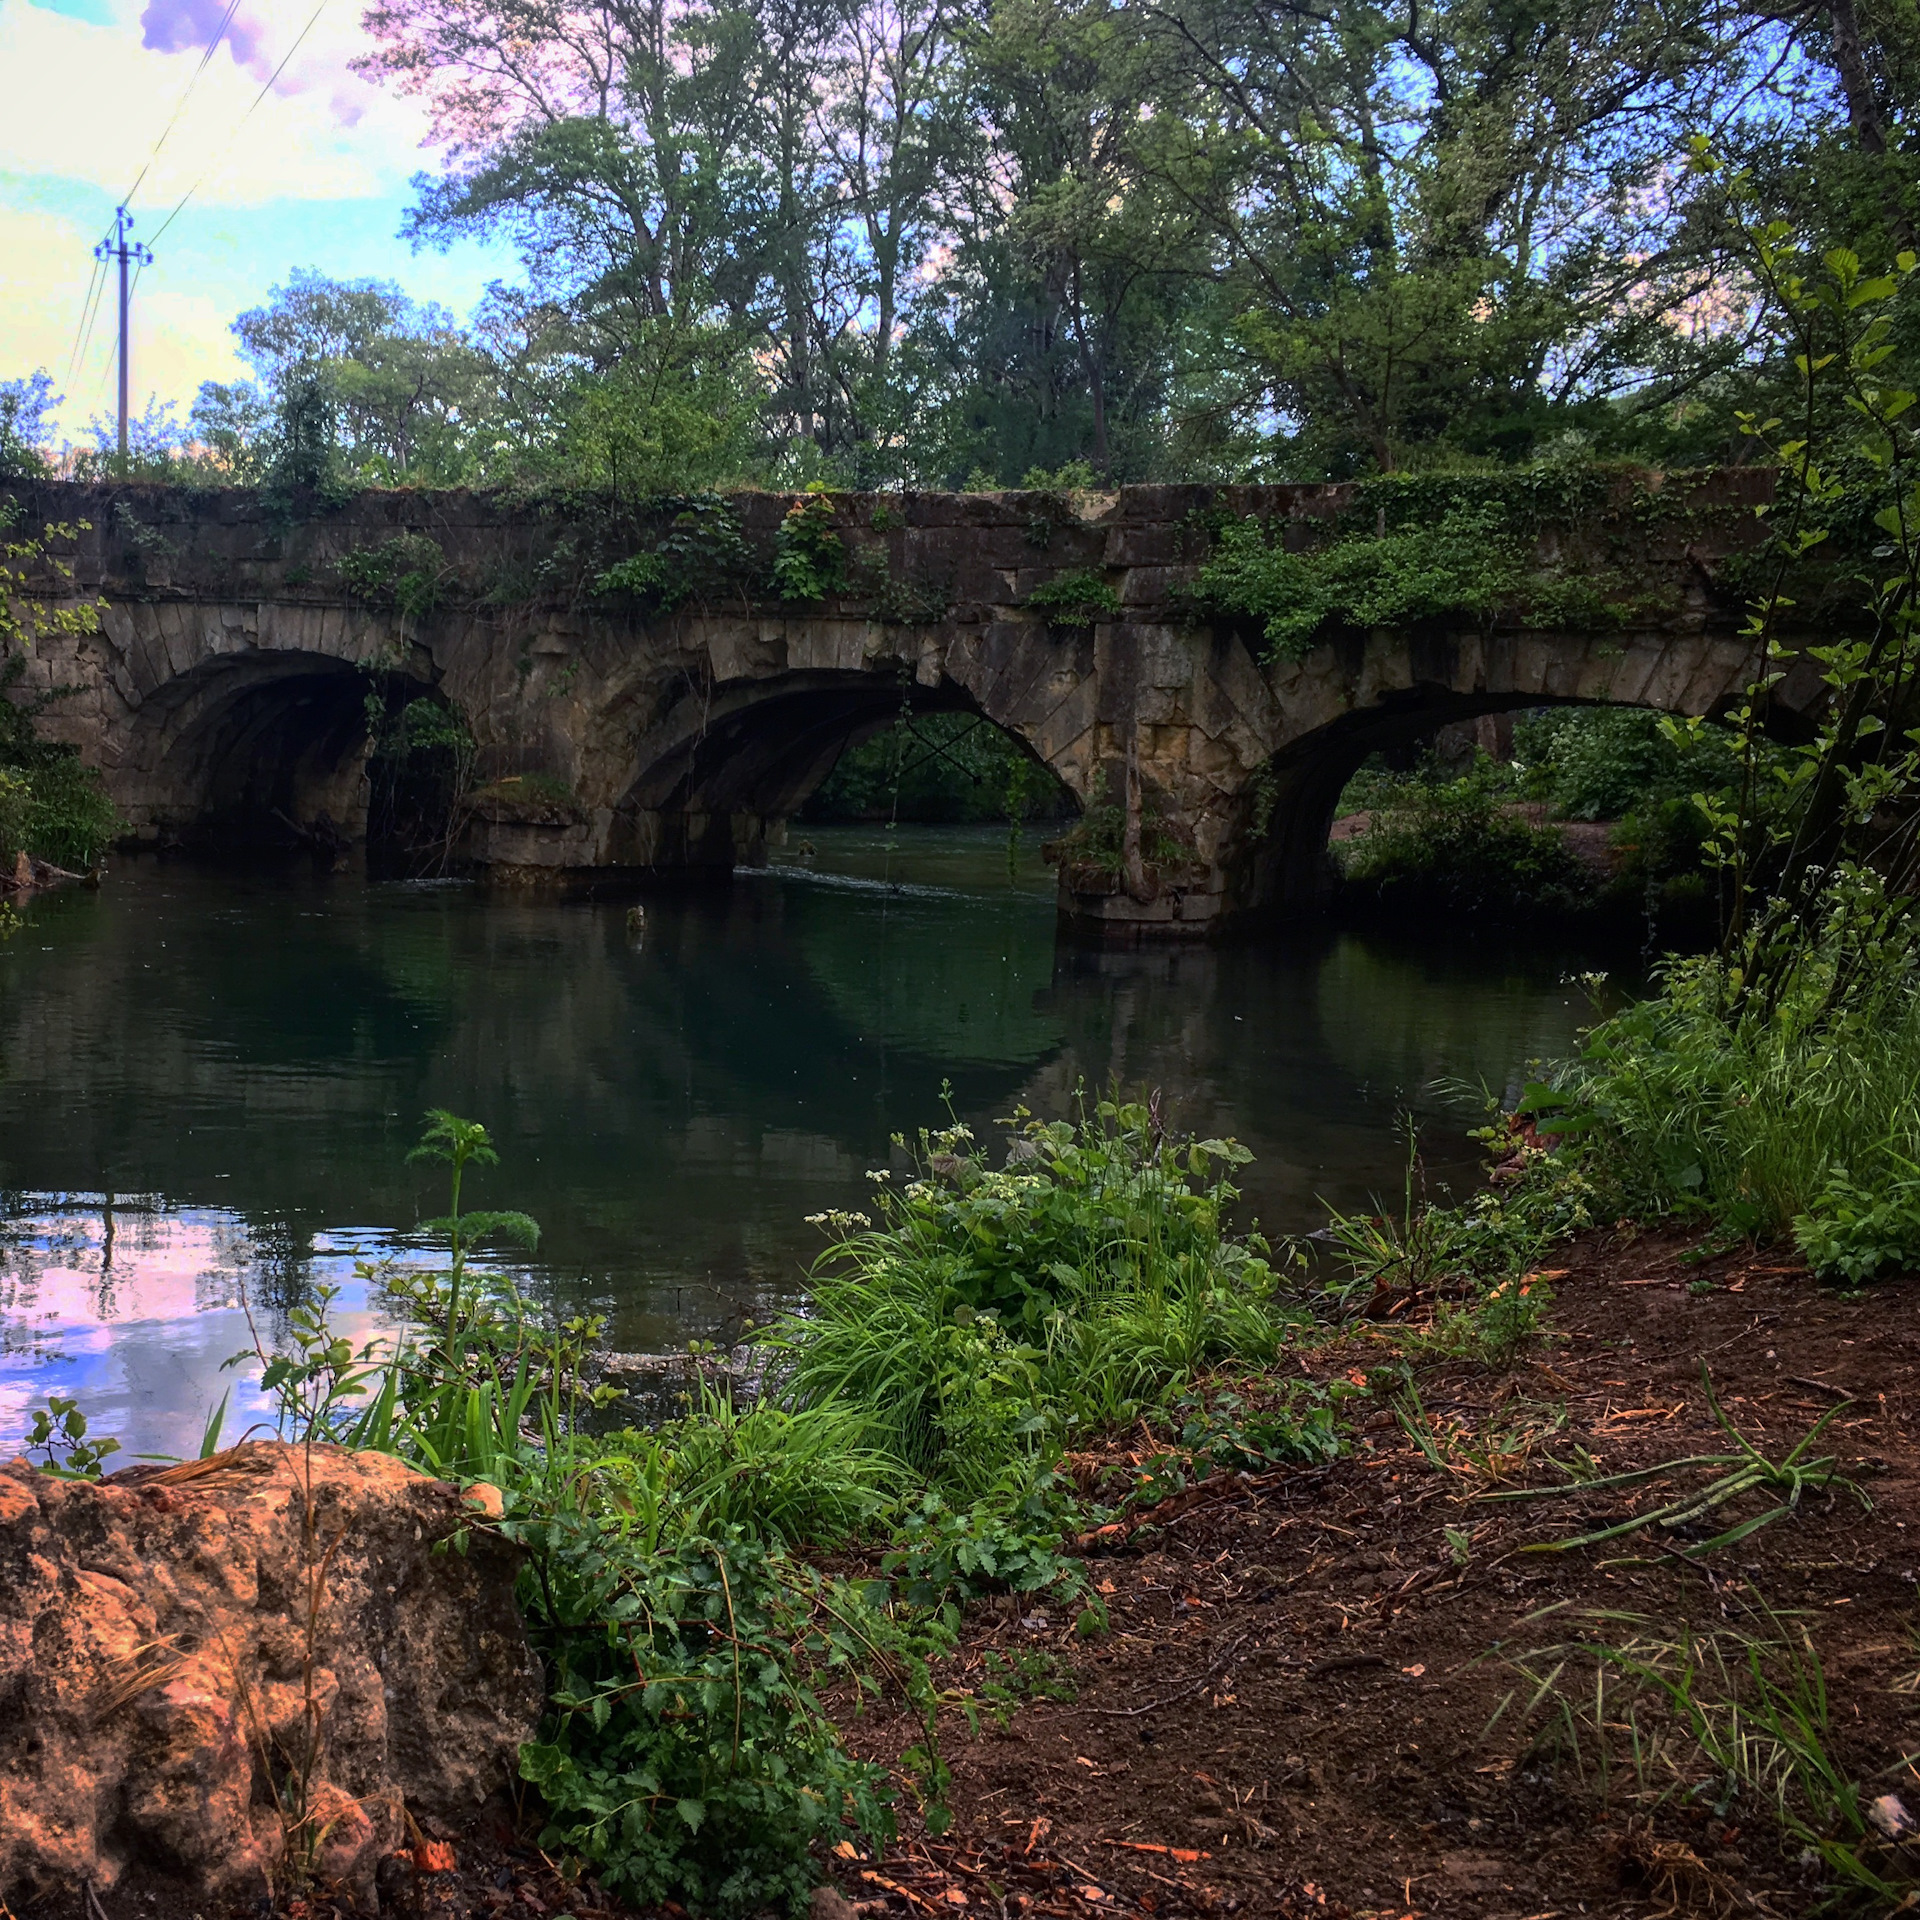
(1439, 546)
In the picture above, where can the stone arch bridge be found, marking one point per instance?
(226, 689)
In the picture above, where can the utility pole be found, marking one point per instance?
(119, 248)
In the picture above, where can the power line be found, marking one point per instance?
(186, 94)
(96, 285)
(214, 166)
(83, 325)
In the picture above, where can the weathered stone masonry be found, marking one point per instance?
(228, 682)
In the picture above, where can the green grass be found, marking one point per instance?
(1801, 1123)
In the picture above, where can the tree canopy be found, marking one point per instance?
(949, 242)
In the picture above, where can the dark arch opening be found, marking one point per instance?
(743, 766)
(1505, 844)
(273, 755)
(943, 769)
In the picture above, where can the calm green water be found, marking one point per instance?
(209, 1081)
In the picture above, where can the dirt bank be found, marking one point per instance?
(1291, 1713)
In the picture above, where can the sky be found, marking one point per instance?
(313, 173)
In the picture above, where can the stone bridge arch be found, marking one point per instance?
(240, 639)
(1364, 695)
(701, 768)
(245, 731)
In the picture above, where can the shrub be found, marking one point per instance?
(996, 1310)
(1465, 562)
(810, 558)
(409, 572)
(1075, 599)
(687, 1755)
(1457, 846)
(1799, 1120)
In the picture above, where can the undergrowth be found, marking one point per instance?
(915, 1415)
(1687, 1729)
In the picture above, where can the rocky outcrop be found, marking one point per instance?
(241, 1671)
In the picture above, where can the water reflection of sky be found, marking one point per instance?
(131, 1307)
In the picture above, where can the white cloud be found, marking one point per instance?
(88, 102)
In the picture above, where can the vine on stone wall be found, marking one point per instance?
(1461, 547)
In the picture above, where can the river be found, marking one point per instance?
(209, 1080)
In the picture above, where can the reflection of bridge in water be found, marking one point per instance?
(254, 1055)
(229, 687)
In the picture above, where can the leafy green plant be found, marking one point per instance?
(687, 1755)
(700, 550)
(1007, 1682)
(1098, 839)
(59, 1432)
(942, 1555)
(1079, 598)
(1853, 1233)
(1216, 1430)
(809, 558)
(1796, 1120)
(801, 1476)
(409, 572)
(1495, 1324)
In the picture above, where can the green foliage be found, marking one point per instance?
(24, 406)
(1467, 565)
(1605, 763)
(1076, 599)
(1459, 547)
(1802, 1121)
(51, 805)
(995, 1312)
(700, 551)
(676, 414)
(1217, 1430)
(59, 1432)
(686, 1753)
(408, 571)
(942, 1555)
(687, 1756)
(1473, 1270)
(1459, 847)
(1098, 839)
(797, 1476)
(810, 558)
(1855, 1233)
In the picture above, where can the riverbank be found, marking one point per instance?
(1217, 1593)
(1319, 1691)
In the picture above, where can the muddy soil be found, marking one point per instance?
(1298, 1708)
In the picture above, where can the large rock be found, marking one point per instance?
(248, 1669)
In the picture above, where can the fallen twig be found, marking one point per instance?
(1167, 1700)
